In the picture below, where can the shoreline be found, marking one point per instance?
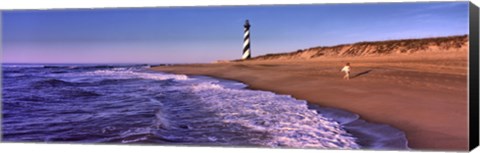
(371, 136)
(388, 94)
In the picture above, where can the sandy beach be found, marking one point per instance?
(424, 95)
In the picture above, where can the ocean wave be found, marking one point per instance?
(33, 98)
(79, 93)
(128, 73)
(369, 135)
(22, 65)
(263, 118)
(59, 67)
(112, 81)
(11, 71)
(58, 87)
(51, 83)
(267, 118)
(86, 67)
(16, 75)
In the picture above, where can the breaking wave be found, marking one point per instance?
(134, 105)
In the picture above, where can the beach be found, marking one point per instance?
(423, 94)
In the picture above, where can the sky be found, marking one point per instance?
(207, 34)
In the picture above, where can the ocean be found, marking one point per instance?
(132, 104)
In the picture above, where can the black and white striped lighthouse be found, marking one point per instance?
(246, 41)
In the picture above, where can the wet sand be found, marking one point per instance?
(423, 95)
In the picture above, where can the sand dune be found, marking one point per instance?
(378, 48)
(418, 86)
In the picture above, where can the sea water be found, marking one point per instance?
(132, 104)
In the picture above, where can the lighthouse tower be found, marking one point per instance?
(246, 41)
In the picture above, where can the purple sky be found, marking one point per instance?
(206, 34)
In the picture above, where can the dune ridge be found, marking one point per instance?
(375, 48)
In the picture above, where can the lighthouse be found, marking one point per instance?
(246, 41)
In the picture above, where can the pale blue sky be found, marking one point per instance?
(206, 34)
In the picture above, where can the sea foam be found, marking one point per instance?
(271, 120)
(125, 73)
